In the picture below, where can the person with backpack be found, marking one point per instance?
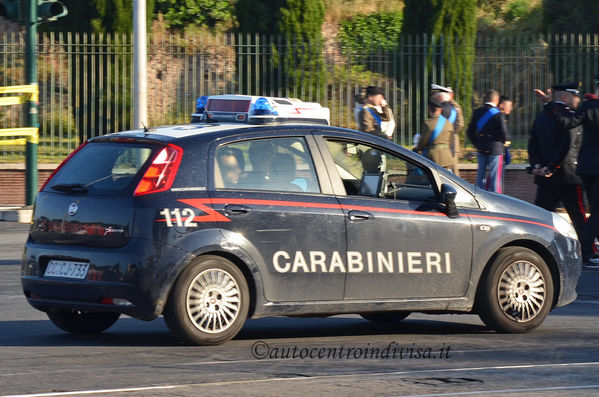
(488, 133)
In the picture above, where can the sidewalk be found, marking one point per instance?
(16, 214)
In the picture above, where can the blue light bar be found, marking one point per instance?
(263, 108)
(201, 103)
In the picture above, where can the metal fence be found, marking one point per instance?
(86, 79)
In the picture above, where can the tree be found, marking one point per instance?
(456, 21)
(580, 17)
(98, 16)
(258, 16)
(179, 14)
(300, 22)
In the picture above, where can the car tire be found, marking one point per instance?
(385, 318)
(209, 302)
(516, 293)
(78, 322)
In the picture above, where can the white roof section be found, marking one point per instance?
(186, 130)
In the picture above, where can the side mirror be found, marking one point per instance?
(448, 194)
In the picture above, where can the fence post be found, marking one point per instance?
(32, 109)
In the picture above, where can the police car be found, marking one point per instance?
(210, 224)
(258, 110)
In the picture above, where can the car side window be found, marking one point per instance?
(370, 171)
(273, 164)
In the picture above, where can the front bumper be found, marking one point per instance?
(135, 276)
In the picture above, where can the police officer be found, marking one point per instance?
(436, 135)
(588, 162)
(375, 112)
(553, 153)
(488, 133)
(458, 125)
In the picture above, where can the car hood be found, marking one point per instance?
(502, 204)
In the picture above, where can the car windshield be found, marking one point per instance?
(102, 168)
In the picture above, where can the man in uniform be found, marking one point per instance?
(458, 125)
(375, 112)
(488, 133)
(553, 154)
(588, 162)
(436, 135)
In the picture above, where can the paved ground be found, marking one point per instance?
(136, 358)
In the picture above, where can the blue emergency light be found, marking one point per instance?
(201, 103)
(263, 108)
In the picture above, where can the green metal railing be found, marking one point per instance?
(85, 80)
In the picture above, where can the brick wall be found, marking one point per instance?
(12, 184)
(518, 183)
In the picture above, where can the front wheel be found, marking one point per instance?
(516, 293)
(209, 302)
(79, 322)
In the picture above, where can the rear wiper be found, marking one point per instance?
(70, 187)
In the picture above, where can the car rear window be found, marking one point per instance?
(104, 168)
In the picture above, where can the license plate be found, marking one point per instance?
(67, 269)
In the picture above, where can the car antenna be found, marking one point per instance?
(146, 129)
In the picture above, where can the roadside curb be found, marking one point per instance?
(16, 214)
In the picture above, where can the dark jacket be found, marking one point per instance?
(587, 116)
(492, 137)
(555, 148)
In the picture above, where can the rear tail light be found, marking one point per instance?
(161, 173)
(62, 164)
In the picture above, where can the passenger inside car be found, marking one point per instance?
(283, 173)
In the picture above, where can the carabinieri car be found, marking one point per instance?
(211, 224)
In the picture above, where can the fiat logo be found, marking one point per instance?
(73, 208)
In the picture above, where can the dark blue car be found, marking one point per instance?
(211, 224)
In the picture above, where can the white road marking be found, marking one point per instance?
(486, 392)
(105, 391)
(300, 378)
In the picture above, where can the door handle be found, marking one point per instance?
(234, 209)
(358, 215)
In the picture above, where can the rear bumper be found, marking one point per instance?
(138, 276)
(45, 295)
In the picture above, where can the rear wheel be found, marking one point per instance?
(209, 302)
(78, 322)
(385, 318)
(516, 294)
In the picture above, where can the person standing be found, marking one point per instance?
(488, 133)
(458, 125)
(588, 162)
(376, 116)
(436, 135)
(553, 154)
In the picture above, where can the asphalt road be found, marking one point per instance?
(136, 358)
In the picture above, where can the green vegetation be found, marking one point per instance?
(300, 22)
(572, 16)
(382, 29)
(258, 16)
(180, 14)
(455, 20)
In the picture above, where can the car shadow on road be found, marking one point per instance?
(131, 332)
